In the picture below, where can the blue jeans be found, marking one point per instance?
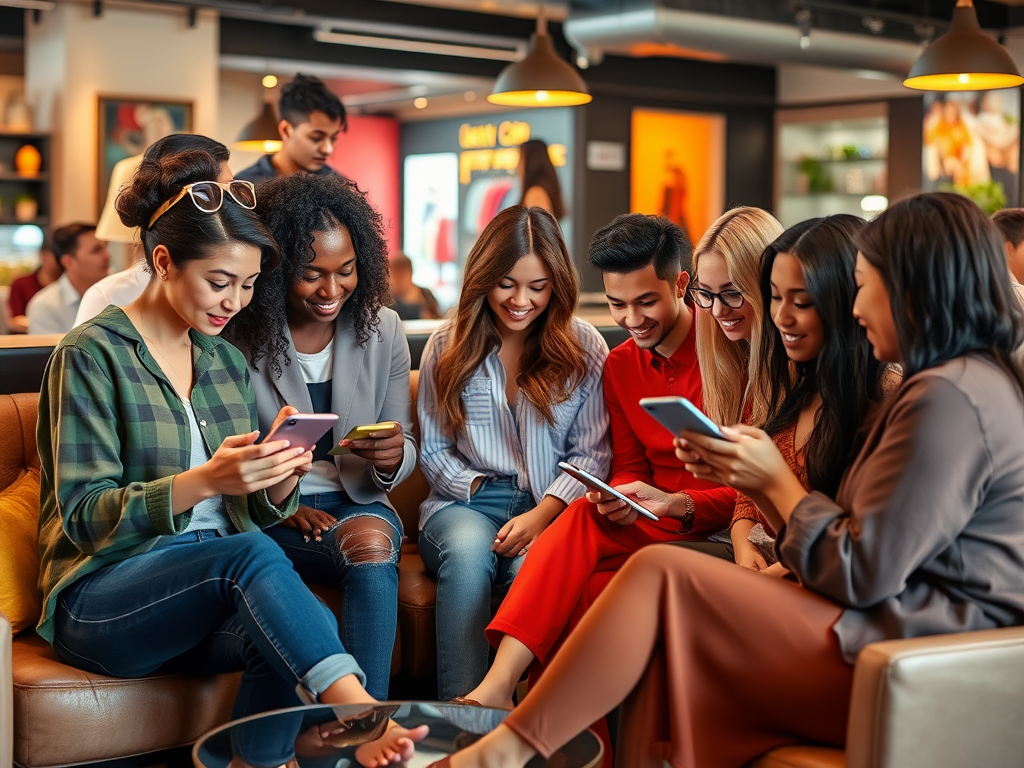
(202, 605)
(366, 573)
(456, 547)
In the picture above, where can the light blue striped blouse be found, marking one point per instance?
(498, 442)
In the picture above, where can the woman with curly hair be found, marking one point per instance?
(509, 388)
(318, 336)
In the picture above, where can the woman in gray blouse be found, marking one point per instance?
(925, 536)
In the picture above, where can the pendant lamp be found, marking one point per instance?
(541, 79)
(261, 134)
(964, 59)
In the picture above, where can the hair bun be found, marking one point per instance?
(157, 180)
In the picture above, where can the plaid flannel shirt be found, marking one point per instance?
(112, 435)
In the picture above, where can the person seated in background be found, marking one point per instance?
(411, 301)
(1010, 222)
(124, 287)
(311, 118)
(924, 537)
(509, 387)
(27, 286)
(539, 180)
(645, 263)
(318, 336)
(150, 550)
(85, 261)
(824, 383)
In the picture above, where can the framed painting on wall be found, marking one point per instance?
(971, 145)
(678, 167)
(127, 125)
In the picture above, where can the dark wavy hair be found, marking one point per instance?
(631, 241)
(188, 233)
(538, 171)
(943, 263)
(294, 208)
(845, 374)
(307, 94)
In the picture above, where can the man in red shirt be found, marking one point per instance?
(646, 263)
(24, 288)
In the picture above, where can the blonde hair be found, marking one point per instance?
(729, 371)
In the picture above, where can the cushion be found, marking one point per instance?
(19, 551)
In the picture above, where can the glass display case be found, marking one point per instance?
(831, 160)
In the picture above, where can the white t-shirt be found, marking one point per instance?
(317, 369)
(119, 289)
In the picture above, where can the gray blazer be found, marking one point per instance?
(368, 384)
(926, 535)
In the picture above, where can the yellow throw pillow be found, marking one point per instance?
(19, 552)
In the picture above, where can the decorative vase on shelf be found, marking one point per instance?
(17, 117)
(26, 208)
(28, 161)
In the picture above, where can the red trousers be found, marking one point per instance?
(551, 591)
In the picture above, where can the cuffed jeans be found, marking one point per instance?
(369, 604)
(206, 604)
(456, 547)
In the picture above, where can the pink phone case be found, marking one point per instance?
(303, 429)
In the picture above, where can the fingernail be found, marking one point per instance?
(306, 539)
(299, 451)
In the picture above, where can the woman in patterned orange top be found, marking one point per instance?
(822, 379)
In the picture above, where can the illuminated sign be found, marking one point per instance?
(496, 147)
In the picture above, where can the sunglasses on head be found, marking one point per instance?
(208, 196)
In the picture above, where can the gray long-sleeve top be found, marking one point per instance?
(926, 535)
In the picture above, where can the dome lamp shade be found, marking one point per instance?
(260, 135)
(964, 59)
(541, 79)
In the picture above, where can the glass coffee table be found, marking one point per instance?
(321, 736)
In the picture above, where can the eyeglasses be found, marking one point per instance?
(208, 196)
(706, 299)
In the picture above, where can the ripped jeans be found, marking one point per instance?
(359, 556)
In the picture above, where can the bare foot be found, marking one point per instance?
(395, 746)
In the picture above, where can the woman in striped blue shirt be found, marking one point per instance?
(508, 388)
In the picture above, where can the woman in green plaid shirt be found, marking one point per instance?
(154, 491)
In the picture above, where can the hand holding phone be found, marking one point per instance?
(362, 432)
(678, 415)
(598, 485)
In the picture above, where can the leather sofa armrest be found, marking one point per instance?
(944, 701)
(6, 695)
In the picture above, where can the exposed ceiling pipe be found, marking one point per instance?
(737, 39)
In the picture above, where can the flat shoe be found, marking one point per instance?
(466, 703)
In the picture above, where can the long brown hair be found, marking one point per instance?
(552, 364)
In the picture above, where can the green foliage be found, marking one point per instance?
(988, 195)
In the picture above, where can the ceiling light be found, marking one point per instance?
(964, 59)
(470, 95)
(261, 134)
(541, 79)
(327, 35)
(420, 103)
(269, 81)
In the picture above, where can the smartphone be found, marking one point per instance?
(358, 433)
(303, 429)
(594, 483)
(677, 414)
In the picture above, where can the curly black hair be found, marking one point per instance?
(293, 208)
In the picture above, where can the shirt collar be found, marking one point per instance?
(684, 357)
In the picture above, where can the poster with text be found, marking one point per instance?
(678, 167)
(971, 145)
(430, 222)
